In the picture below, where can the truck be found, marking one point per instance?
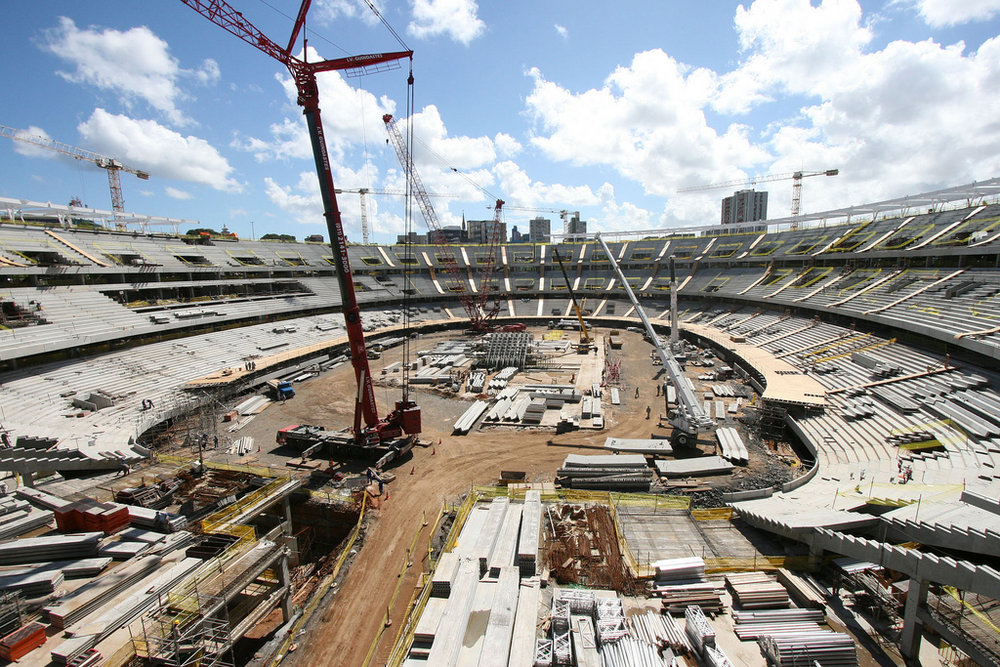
(280, 390)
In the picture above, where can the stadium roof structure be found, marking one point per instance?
(13, 209)
(975, 192)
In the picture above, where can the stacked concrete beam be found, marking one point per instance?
(500, 627)
(490, 532)
(522, 648)
(506, 543)
(451, 629)
(531, 523)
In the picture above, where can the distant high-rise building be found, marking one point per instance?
(540, 230)
(516, 236)
(744, 206)
(575, 228)
(479, 231)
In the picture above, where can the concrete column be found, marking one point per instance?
(909, 641)
(286, 508)
(285, 578)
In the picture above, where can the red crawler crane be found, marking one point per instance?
(406, 415)
(476, 303)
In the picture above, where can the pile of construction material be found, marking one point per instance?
(24, 519)
(622, 472)
(816, 647)
(500, 379)
(633, 653)
(699, 466)
(803, 589)
(469, 418)
(534, 411)
(531, 523)
(22, 641)
(680, 582)
(49, 548)
(732, 445)
(91, 515)
(756, 590)
(477, 381)
(660, 630)
(504, 400)
(166, 522)
(699, 631)
(752, 625)
(653, 446)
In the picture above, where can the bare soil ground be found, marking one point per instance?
(342, 632)
(350, 619)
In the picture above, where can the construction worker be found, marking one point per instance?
(647, 412)
(637, 392)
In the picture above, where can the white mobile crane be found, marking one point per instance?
(690, 416)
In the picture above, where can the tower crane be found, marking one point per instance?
(795, 176)
(481, 313)
(111, 165)
(368, 430)
(361, 192)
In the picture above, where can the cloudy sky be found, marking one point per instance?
(550, 105)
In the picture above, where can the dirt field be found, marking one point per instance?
(342, 633)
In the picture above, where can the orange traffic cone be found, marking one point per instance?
(258, 449)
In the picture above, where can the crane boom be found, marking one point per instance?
(368, 429)
(480, 315)
(794, 175)
(691, 414)
(109, 164)
(585, 342)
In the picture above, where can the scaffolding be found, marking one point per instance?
(186, 631)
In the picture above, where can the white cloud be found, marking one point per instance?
(147, 145)
(456, 19)
(647, 121)
(902, 118)
(943, 13)
(519, 190)
(328, 10)
(174, 193)
(506, 145)
(134, 64)
(33, 150)
(208, 74)
(561, 31)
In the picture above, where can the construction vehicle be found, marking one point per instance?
(586, 343)
(690, 416)
(481, 313)
(369, 433)
(280, 390)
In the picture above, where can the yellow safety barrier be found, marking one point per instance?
(712, 514)
(953, 592)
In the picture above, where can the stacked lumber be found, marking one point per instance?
(676, 599)
(53, 547)
(145, 517)
(92, 595)
(18, 523)
(752, 625)
(123, 550)
(802, 590)
(91, 516)
(756, 590)
(40, 499)
(32, 584)
(22, 641)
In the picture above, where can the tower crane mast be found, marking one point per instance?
(111, 165)
(368, 429)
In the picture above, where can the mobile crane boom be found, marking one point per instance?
(691, 415)
(586, 343)
(368, 429)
